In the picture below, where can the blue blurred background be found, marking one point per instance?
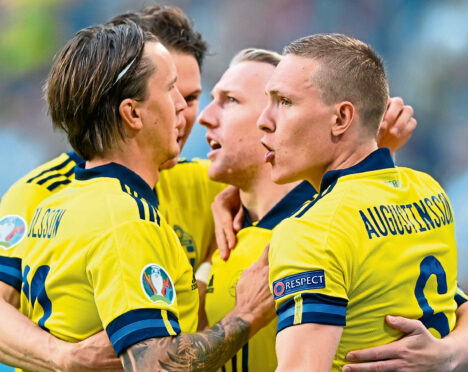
(423, 42)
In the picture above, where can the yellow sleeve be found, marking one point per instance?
(16, 209)
(133, 270)
(308, 272)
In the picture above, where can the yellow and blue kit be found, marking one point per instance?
(259, 353)
(376, 240)
(185, 194)
(98, 255)
(18, 204)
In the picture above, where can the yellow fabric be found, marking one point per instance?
(368, 237)
(93, 244)
(185, 194)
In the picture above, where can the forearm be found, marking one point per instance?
(457, 340)
(203, 351)
(22, 343)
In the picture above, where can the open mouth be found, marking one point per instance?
(215, 145)
(269, 155)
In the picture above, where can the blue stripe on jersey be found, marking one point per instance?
(123, 174)
(54, 185)
(313, 202)
(56, 175)
(316, 308)
(138, 325)
(379, 159)
(245, 358)
(459, 299)
(285, 207)
(10, 272)
(57, 167)
(234, 363)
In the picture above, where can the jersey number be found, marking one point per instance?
(431, 265)
(36, 291)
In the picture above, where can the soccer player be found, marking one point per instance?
(98, 252)
(237, 159)
(371, 240)
(193, 223)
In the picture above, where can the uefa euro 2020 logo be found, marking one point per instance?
(12, 231)
(157, 284)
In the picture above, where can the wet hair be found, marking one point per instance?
(98, 68)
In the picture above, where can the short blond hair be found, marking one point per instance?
(256, 55)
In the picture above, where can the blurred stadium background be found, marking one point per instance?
(423, 42)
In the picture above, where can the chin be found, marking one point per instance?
(169, 163)
(283, 178)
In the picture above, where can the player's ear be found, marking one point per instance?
(345, 112)
(130, 114)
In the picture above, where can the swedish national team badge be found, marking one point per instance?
(157, 284)
(12, 231)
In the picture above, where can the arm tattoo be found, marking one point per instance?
(203, 351)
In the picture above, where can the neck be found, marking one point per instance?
(345, 159)
(134, 161)
(263, 194)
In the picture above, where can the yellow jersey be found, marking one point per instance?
(376, 240)
(185, 194)
(18, 204)
(259, 353)
(97, 255)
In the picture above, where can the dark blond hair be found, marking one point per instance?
(256, 55)
(350, 70)
(98, 68)
(171, 26)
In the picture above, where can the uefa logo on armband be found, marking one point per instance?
(12, 231)
(157, 284)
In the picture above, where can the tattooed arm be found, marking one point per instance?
(206, 351)
(210, 349)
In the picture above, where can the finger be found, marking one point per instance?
(239, 219)
(401, 126)
(264, 257)
(382, 352)
(221, 241)
(393, 111)
(382, 366)
(405, 325)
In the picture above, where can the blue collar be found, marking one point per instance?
(75, 157)
(285, 207)
(379, 159)
(123, 174)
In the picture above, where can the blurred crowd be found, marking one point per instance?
(424, 44)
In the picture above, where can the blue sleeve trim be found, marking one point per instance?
(10, 272)
(316, 308)
(460, 299)
(138, 325)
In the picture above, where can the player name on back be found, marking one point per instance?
(415, 217)
(45, 223)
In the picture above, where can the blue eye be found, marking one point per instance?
(284, 101)
(232, 100)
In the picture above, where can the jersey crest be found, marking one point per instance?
(187, 241)
(12, 230)
(157, 284)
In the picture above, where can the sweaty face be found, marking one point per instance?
(296, 123)
(189, 85)
(238, 100)
(161, 111)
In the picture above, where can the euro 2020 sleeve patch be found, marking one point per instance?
(12, 231)
(157, 284)
(298, 282)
